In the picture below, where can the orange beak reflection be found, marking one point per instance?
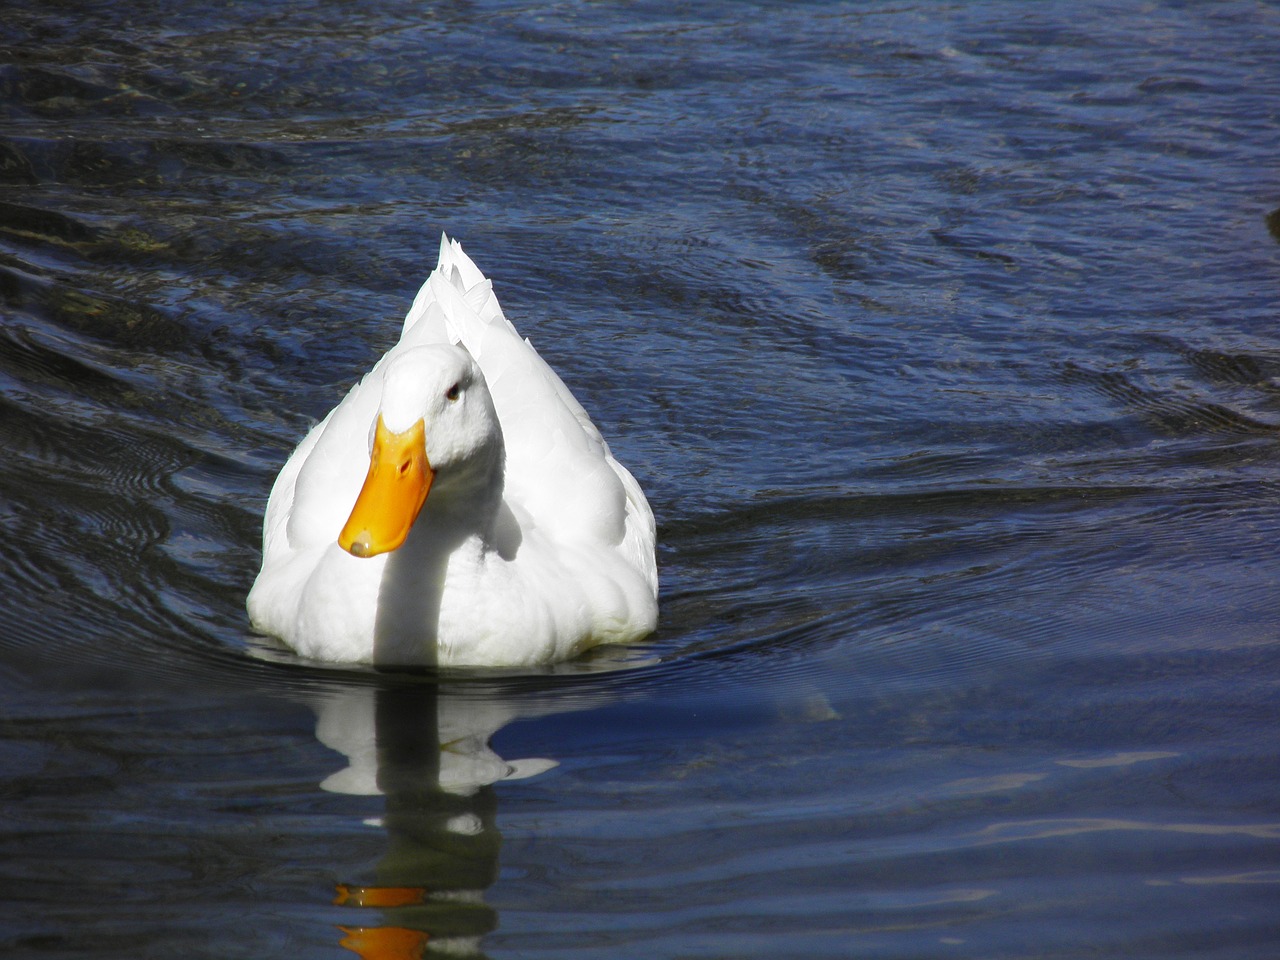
(393, 493)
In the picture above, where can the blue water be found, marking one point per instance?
(942, 338)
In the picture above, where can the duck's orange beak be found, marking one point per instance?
(393, 493)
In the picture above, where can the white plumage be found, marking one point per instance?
(533, 542)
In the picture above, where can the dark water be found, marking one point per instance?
(943, 338)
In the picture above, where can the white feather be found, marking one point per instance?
(560, 558)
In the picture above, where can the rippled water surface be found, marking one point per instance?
(943, 338)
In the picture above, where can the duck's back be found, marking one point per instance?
(559, 470)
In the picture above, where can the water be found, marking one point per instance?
(942, 338)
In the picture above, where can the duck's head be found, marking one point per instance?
(435, 427)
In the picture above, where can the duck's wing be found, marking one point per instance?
(559, 468)
(314, 492)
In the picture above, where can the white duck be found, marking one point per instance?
(458, 507)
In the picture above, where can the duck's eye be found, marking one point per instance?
(454, 392)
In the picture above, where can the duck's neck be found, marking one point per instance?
(462, 516)
(463, 504)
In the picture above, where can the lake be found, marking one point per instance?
(941, 336)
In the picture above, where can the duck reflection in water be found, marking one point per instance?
(427, 751)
